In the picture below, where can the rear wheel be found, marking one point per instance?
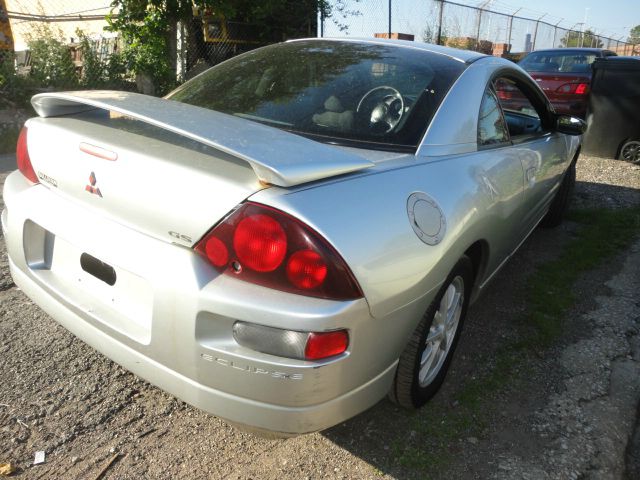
(561, 202)
(426, 358)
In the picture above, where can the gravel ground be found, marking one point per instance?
(568, 417)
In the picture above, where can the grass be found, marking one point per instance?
(8, 139)
(602, 235)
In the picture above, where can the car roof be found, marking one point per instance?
(465, 56)
(623, 58)
(571, 49)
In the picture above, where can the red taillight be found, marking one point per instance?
(326, 344)
(262, 245)
(216, 251)
(582, 89)
(306, 269)
(22, 157)
(574, 88)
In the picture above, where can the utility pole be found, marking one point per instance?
(555, 32)
(511, 26)
(480, 9)
(389, 19)
(535, 32)
(439, 40)
(584, 25)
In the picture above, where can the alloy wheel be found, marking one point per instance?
(442, 332)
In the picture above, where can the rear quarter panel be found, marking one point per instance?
(365, 218)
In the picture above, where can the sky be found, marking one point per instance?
(607, 18)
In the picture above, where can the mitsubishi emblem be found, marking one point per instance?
(91, 188)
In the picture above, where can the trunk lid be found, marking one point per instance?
(551, 82)
(165, 168)
(161, 184)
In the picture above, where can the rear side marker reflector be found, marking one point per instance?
(98, 152)
(291, 343)
(326, 344)
(265, 246)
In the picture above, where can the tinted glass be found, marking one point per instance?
(511, 97)
(567, 62)
(491, 125)
(377, 96)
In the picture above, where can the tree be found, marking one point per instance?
(588, 38)
(149, 27)
(634, 39)
(51, 63)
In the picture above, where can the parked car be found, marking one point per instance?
(283, 243)
(614, 103)
(564, 74)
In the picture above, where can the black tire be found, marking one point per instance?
(630, 151)
(562, 200)
(407, 390)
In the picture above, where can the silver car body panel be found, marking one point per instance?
(170, 320)
(272, 153)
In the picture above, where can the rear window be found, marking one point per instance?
(368, 95)
(565, 62)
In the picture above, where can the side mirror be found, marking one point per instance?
(570, 125)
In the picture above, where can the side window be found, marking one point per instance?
(522, 118)
(492, 129)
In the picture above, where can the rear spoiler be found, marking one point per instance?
(277, 157)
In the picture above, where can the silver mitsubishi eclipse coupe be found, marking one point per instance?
(293, 234)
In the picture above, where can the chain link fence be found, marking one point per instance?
(508, 34)
(64, 44)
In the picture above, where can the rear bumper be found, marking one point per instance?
(185, 346)
(252, 413)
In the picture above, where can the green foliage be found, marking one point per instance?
(15, 90)
(148, 27)
(634, 35)
(8, 138)
(581, 39)
(98, 73)
(144, 28)
(51, 64)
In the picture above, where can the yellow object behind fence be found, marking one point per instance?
(6, 37)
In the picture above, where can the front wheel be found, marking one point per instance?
(426, 358)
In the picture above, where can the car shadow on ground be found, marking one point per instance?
(443, 437)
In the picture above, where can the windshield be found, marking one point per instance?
(376, 96)
(567, 62)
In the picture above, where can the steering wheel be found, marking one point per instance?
(386, 107)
